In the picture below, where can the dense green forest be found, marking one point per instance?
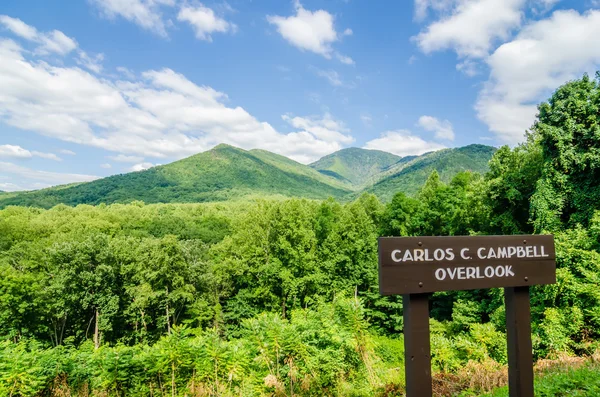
(229, 173)
(279, 297)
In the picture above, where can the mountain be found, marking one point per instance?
(356, 166)
(223, 173)
(227, 172)
(409, 176)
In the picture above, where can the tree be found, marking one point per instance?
(568, 127)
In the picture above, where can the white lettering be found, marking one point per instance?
(478, 273)
(535, 253)
(395, 256)
(470, 272)
(520, 252)
(492, 253)
(509, 272)
(502, 252)
(489, 272)
(529, 251)
(464, 253)
(407, 256)
(440, 274)
(449, 254)
(511, 251)
(543, 253)
(461, 273)
(427, 257)
(452, 272)
(419, 255)
(500, 271)
(438, 254)
(479, 253)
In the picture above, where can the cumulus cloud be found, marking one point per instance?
(422, 7)
(17, 152)
(527, 69)
(141, 166)
(204, 21)
(106, 166)
(441, 128)
(331, 76)
(159, 114)
(471, 27)
(147, 14)
(68, 152)
(121, 158)
(34, 177)
(49, 42)
(402, 143)
(14, 151)
(310, 31)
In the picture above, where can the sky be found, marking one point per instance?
(91, 88)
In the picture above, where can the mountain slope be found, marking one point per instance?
(409, 176)
(222, 173)
(356, 166)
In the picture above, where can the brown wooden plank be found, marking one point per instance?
(520, 351)
(417, 349)
(463, 269)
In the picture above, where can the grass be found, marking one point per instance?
(566, 377)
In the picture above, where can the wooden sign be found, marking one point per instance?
(416, 266)
(412, 265)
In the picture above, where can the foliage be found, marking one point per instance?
(228, 173)
(358, 166)
(277, 297)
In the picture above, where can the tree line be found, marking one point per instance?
(280, 297)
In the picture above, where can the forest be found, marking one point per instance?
(279, 297)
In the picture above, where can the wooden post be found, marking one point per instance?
(520, 351)
(417, 349)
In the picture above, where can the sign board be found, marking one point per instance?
(412, 265)
(416, 266)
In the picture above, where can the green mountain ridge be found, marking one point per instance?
(354, 165)
(226, 172)
(409, 176)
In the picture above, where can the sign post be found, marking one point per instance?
(416, 266)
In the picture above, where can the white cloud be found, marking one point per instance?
(17, 152)
(472, 27)
(19, 28)
(527, 69)
(106, 166)
(121, 158)
(325, 128)
(93, 63)
(126, 72)
(310, 30)
(366, 119)
(442, 129)
(468, 67)
(543, 6)
(204, 21)
(331, 76)
(402, 143)
(11, 187)
(145, 13)
(45, 177)
(161, 114)
(49, 42)
(344, 59)
(141, 166)
(422, 7)
(14, 151)
(68, 152)
(49, 156)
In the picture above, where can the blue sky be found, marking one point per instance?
(92, 88)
